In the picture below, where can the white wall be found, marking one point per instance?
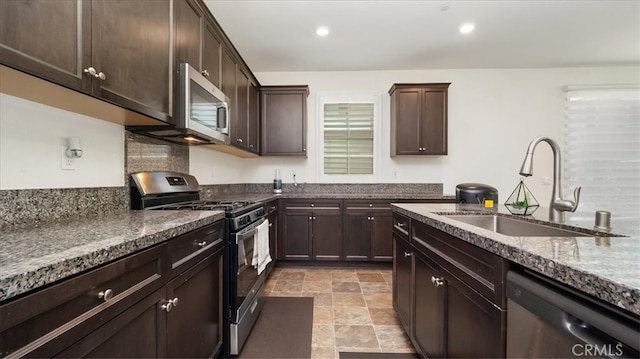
(493, 114)
(31, 140)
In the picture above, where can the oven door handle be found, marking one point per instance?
(248, 231)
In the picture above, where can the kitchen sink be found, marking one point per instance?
(516, 227)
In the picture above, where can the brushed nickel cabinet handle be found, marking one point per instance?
(407, 254)
(202, 244)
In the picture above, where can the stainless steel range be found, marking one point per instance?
(243, 285)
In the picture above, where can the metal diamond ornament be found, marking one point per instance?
(521, 201)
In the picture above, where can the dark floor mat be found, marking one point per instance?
(346, 355)
(283, 330)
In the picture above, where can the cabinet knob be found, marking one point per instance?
(91, 71)
(205, 73)
(437, 281)
(270, 224)
(370, 205)
(401, 224)
(304, 150)
(202, 244)
(310, 218)
(239, 140)
(101, 76)
(251, 146)
(106, 295)
(372, 218)
(170, 304)
(407, 254)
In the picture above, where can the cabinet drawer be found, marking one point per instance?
(483, 271)
(401, 225)
(371, 205)
(314, 204)
(46, 321)
(190, 248)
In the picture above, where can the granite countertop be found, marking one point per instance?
(31, 257)
(605, 267)
(264, 197)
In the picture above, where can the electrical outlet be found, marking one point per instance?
(66, 162)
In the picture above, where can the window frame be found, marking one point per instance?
(330, 98)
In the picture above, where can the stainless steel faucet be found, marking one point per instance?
(558, 205)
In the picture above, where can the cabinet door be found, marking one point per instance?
(297, 235)
(187, 31)
(228, 86)
(131, 46)
(475, 327)
(211, 46)
(428, 328)
(254, 119)
(357, 234)
(433, 124)
(240, 126)
(402, 280)
(405, 122)
(284, 120)
(48, 39)
(381, 229)
(139, 332)
(194, 325)
(327, 235)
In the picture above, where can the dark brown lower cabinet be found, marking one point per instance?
(194, 324)
(312, 230)
(444, 315)
(367, 235)
(139, 332)
(429, 308)
(150, 304)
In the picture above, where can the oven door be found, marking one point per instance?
(247, 281)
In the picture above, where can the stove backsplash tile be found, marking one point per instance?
(149, 154)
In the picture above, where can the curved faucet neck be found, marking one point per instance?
(557, 175)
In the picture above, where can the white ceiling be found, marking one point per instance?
(420, 34)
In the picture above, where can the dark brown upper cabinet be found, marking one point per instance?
(419, 119)
(284, 120)
(118, 51)
(196, 41)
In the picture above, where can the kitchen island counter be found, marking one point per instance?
(35, 256)
(607, 268)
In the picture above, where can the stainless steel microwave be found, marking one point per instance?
(202, 110)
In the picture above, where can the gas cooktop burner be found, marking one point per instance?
(202, 205)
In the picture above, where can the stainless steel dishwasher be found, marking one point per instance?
(546, 319)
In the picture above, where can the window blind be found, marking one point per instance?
(602, 149)
(348, 138)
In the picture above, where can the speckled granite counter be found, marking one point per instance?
(36, 256)
(605, 267)
(263, 197)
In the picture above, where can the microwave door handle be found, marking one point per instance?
(222, 115)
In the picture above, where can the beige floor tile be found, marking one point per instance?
(320, 299)
(351, 316)
(320, 286)
(383, 316)
(370, 277)
(323, 353)
(288, 286)
(322, 336)
(344, 275)
(358, 350)
(318, 274)
(292, 275)
(375, 287)
(323, 315)
(355, 336)
(284, 294)
(345, 287)
(348, 300)
(392, 337)
(379, 300)
(269, 285)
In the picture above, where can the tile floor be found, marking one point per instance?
(352, 308)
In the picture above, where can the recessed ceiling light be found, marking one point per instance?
(467, 28)
(322, 31)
